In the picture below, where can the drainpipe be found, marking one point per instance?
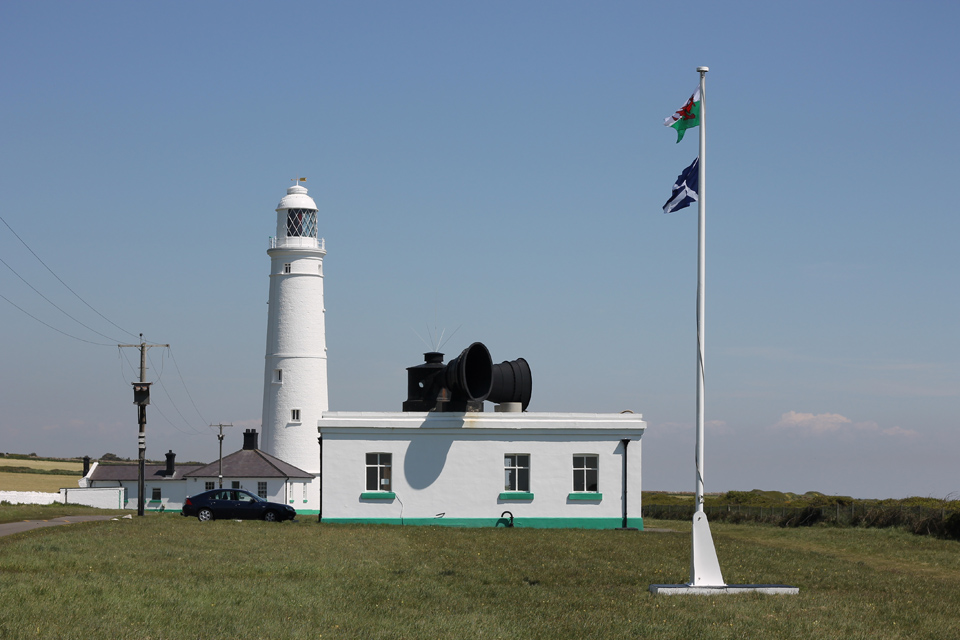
(625, 442)
(320, 480)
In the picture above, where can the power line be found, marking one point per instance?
(23, 242)
(170, 422)
(55, 306)
(170, 398)
(99, 344)
(183, 382)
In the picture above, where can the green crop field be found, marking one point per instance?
(35, 482)
(164, 576)
(43, 464)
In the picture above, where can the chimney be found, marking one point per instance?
(250, 439)
(171, 457)
(86, 465)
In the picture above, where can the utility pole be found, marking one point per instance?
(141, 398)
(220, 438)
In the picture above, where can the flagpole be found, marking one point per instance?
(704, 565)
(705, 574)
(701, 282)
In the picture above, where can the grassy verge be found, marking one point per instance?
(163, 576)
(19, 512)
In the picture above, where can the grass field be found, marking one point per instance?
(163, 576)
(35, 482)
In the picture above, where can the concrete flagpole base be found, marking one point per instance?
(728, 589)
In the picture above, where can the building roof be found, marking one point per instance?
(129, 471)
(249, 463)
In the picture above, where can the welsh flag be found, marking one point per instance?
(688, 116)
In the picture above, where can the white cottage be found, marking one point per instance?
(259, 473)
(167, 486)
(442, 460)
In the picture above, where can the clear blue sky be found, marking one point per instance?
(498, 167)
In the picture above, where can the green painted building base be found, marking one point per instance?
(520, 523)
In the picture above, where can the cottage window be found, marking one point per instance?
(379, 471)
(516, 467)
(209, 486)
(156, 493)
(262, 490)
(585, 473)
(236, 484)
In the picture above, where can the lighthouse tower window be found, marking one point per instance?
(295, 415)
(302, 223)
(287, 268)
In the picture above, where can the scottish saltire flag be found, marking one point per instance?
(687, 117)
(686, 189)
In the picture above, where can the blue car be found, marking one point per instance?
(235, 504)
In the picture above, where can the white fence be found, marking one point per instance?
(102, 498)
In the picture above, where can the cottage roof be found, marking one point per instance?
(129, 471)
(249, 463)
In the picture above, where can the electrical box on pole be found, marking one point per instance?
(141, 393)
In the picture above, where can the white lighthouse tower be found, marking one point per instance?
(295, 371)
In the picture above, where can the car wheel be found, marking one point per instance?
(204, 515)
(270, 516)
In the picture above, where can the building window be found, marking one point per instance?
(585, 473)
(156, 493)
(516, 468)
(262, 490)
(287, 268)
(378, 471)
(236, 484)
(209, 486)
(278, 376)
(295, 415)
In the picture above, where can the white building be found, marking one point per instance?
(442, 460)
(167, 486)
(295, 370)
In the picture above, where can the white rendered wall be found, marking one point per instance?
(453, 464)
(296, 346)
(30, 497)
(105, 498)
(172, 493)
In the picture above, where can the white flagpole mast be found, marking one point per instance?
(704, 566)
(705, 574)
(701, 280)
